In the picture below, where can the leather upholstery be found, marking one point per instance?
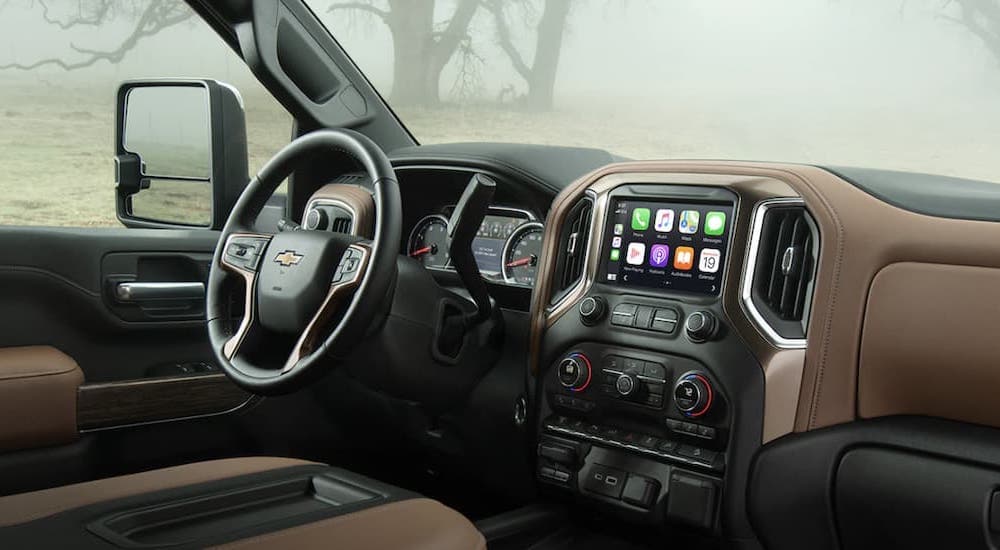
(38, 386)
(60, 516)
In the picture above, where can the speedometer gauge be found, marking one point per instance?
(521, 254)
(429, 242)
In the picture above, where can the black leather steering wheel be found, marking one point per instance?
(313, 290)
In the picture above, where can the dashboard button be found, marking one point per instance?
(654, 401)
(654, 370)
(612, 362)
(667, 446)
(655, 388)
(624, 315)
(640, 491)
(632, 366)
(697, 453)
(643, 317)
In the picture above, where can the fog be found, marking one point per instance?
(893, 84)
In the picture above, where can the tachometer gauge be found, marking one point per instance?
(521, 254)
(429, 242)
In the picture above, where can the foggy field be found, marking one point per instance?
(56, 155)
(853, 82)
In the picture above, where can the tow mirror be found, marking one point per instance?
(180, 153)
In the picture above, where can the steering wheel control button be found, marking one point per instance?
(592, 310)
(574, 372)
(693, 395)
(605, 481)
(624, 315)
(701, 326)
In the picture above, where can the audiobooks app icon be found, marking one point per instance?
(684, 258)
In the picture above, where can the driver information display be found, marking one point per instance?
(666, 245)
(487, 246)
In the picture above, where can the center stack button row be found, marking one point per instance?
(645, 317)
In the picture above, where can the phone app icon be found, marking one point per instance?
(615, 254)
(640, 219)
(715, 223)
(616, 242)
(636, 253)
(684, 258)
(659, 255)
(709, 259)
(664, 221)
(619, 229)
(689, 221)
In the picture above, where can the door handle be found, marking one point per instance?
(143, 292)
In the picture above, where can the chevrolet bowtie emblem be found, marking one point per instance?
(288, 258)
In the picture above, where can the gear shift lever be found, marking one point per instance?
(462, 228)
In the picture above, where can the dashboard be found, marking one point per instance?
(684, 314)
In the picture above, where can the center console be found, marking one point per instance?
(649, 402)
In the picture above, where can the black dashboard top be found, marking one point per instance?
(550, 167)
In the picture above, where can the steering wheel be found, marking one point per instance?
(316, 290)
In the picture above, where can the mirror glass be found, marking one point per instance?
(174, 201)
(169, 127)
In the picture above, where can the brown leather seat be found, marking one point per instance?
(406, 521)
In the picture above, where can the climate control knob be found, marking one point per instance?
(574, 372)
(627, 385)
(701, 326)
(693, 395)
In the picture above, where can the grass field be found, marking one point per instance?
(56, 143)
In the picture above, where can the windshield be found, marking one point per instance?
(912, 85)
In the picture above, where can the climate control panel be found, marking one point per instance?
(629, 426)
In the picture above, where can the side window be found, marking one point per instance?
(60, 66)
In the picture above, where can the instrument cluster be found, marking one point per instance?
(507, 246)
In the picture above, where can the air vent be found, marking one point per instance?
(784, 249)
(572, 248)
(341, 225)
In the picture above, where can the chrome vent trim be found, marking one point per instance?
(798, 259)
(573, 247)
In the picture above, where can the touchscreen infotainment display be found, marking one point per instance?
(666, 245)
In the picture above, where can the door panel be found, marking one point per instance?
(57, 287)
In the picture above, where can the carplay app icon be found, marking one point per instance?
(689, 221)
(659, 255)
(640, 219)
(684, 258)
(636, 253)
(715, 223)
(664, 220)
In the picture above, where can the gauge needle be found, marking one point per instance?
(522, 261)
(421, 251)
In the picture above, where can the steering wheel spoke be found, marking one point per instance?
(350, 272)
(242, 255)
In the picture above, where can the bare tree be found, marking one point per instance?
(420, 50)
(982, 17)
(540, 75)
(150, 18)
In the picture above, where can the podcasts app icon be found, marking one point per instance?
(659, 254)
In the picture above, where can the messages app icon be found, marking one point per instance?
(715, 223)
(640, 219)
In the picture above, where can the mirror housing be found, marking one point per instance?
(168, 130)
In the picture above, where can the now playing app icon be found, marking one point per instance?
(658, 255)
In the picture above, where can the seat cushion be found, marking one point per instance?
(235, 503)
